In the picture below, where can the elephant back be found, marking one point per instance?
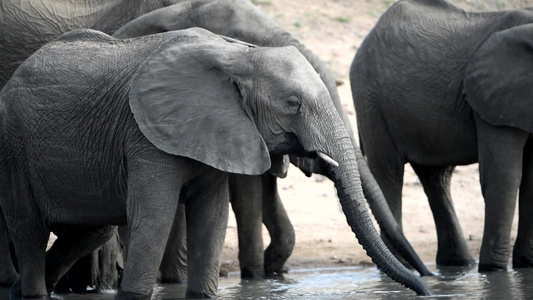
(499, 78)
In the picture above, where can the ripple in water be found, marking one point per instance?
(353, 283)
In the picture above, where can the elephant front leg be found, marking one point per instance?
(207, 203)
(500, 167)
(246, 194)
(154, 183)
(523, 248)
(452, 247)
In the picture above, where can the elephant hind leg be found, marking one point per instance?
(29, 233)
(8, 274)
(276, 220)
(523, 248)
(452, 247)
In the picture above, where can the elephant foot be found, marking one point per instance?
(15, 293)
(198, 295)
(7, 280)
(248, 273)
(62, 286)
(276, 274)
(275, 258)
(485, 268)
(455, 260)
(122, 295)
(522, 262)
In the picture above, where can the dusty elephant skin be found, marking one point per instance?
(93, 122)
(240, 19)
(417, 87)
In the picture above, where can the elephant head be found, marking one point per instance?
(249, 103)
(242, 20)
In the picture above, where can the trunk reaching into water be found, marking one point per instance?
(373, 193)
(348, 185)
(384, 217)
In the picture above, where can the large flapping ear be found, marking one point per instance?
(187, 102)
(499, 78)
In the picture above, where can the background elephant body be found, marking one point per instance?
(407, 81)
(27, 25)
(136, 160)
(240, 19)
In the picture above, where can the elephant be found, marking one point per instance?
(18, 42)
(242, 20)
(113, 137)
(409, 85)
(26, 26)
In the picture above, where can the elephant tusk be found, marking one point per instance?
(328, 159)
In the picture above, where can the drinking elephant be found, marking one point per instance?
(98, 131)
(414, 106)
(248, 23)
(242, 20)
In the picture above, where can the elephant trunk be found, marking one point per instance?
(373, 193)
(384, 217)
(348, 185)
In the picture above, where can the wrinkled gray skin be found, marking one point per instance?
(26, 26)
(414, 106)
(140, 153)
(240, 19)
(247, 23)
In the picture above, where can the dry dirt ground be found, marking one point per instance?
(334, 29)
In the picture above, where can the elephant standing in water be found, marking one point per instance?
(147, 100)
(247, 23)
(416, 83)
(242, 20)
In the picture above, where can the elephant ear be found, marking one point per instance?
(187, 100)
(499, 78)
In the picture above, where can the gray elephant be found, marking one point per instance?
(98, 131)
(242, 20)
(408, 84)
(247, 23)
(26, 26)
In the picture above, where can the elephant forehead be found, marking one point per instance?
(287, 63)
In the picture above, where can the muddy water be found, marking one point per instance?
(354, 283)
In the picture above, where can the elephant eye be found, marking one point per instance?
(294, 103)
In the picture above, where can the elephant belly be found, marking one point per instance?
(80, 193)
(437, 139)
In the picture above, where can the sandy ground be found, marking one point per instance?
(334, 29)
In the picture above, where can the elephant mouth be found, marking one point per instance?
(289, 144)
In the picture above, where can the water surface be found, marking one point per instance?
(354, 283)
